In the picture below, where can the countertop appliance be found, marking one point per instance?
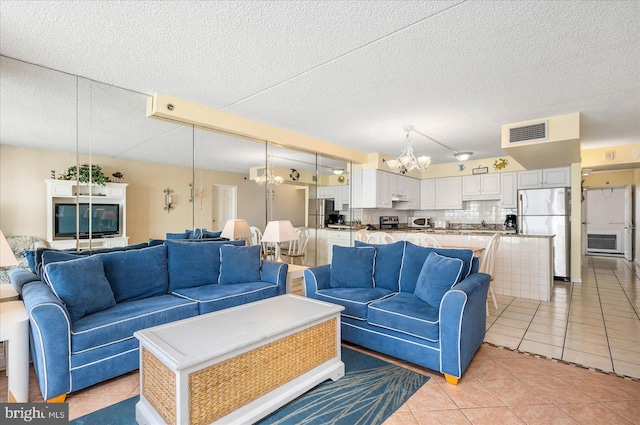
(320, 211)
(419, 222)
(441, 224)
(389, 222)
(511, 222)
(546, 212)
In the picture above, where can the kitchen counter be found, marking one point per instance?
(504, 233)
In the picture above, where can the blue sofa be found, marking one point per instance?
(84, 309)
(420, 304)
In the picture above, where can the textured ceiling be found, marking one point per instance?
(349, 72)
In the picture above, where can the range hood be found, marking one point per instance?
(544, 143)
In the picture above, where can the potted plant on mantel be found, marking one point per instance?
(97, 176)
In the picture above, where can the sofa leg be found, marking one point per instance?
(59, 399)
(451, 379)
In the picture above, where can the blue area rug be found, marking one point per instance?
(369, 393)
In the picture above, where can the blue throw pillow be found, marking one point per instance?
(438, 275)
(194, 264)
(206, 234)
(240, 264)
(81, 285)
(386, 273)
(415, 256)
(30, 255)
(352, 267)
(136, 274)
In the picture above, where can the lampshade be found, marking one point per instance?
(236, 229)
(279, 231)
(7, 258)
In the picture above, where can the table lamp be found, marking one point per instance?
(7, 258)
(236, 229)
(279, 231)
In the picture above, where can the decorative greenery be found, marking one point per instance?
(97, 176)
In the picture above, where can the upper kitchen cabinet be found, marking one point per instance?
(428, 194)
(449, 193)
(509, 190)
(482, 187)
(411, 193)
(372, 189)
(549, 177)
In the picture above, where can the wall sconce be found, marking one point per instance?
(168, 199)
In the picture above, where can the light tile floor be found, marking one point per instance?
(503, 385)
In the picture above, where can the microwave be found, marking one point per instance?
(419, 222)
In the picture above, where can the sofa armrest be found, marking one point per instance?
(19, 277)
(463, 322)
(50, 338)
(276, 273)
(316, 278)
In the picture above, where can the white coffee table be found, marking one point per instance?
(237, 365)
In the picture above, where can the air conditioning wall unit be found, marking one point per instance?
(544, 143)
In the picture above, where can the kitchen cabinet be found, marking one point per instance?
(410, 191)
(372, 189)
(337, 237)
(326, 192)
(428, 194)
(481, 187)
(509, 190)
(449, 193)
(548, 177)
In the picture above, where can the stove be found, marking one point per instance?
(389, 222)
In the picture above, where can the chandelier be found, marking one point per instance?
(268, 178)
(408, 161)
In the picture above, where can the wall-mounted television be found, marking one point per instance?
(98, 219)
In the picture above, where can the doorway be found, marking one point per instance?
(608, 221)
(224, 205)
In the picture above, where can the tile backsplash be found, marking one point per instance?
(473, 212)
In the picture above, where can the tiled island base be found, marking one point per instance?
(225, 381)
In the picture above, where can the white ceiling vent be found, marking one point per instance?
(545, 142)
(528, 133)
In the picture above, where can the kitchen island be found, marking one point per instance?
(523, 267)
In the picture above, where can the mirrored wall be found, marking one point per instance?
(164, 177)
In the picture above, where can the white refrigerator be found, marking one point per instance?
(547, 212)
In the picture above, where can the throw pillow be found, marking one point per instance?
(240, 264)
(352, 267)
(386, 273)
(438, 275)
(81, 285)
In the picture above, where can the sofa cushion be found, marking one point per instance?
(122, 320)
(82, 285)
(415, 256)
(438, 275)
(194, 264)
(217, 297)
(352, 267)
(240, 264)
(386, 273)
(354, 300)
(136, 274)
(406, 313)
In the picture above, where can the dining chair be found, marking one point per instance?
(298, 247)
(487, 263)
(380, 238)
(422, 239)
(361, 235)
(256, 235)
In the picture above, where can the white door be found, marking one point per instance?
(628, 222)
(224, 205)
